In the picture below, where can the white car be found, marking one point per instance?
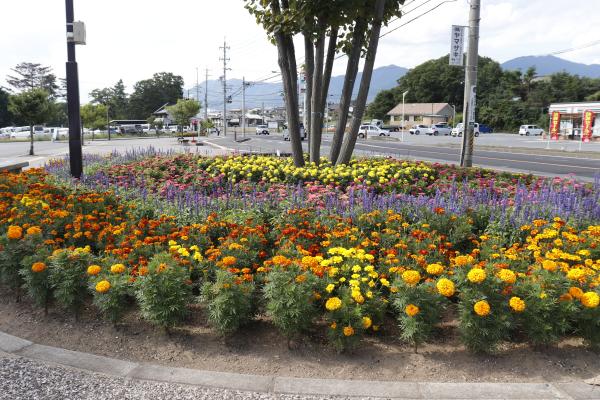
(418, 129)
(262, 130)
(286, 133)
(441, 128)
(533, 130)
(458, 130)
(371, 130)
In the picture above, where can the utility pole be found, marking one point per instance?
(466, 156)
(225, 99)
(73, 103)
(243, 106)
(198, 100)
(206, 98)
(263, 113)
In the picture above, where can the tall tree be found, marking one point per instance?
(150, 94)
(94, 116)
(33, 107)
(5, 117)
(30, 76)
(115, 98)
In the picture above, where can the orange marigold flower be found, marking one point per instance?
(348, 331)
(103, 286)
(15, 232)
(94, 270)
(482, 308)
(117, 268)
(229, 261)
(38, 267)
(411, 310)
(300, 278)
(34, 230)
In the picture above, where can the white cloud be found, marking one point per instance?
(132, 39)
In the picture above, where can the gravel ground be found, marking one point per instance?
(22, 379)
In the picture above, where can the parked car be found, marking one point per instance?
(286, 133)
(485, 129)
(533, 130)
(458, 130)
(441, 128)
(262, 130)
(371, 130)
(391, 128)
(418, 129)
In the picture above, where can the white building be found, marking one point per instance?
(571, 118)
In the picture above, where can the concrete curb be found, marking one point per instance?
(218, 146)
(295, 386)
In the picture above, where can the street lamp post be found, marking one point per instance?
(403, 99)
(73, 104)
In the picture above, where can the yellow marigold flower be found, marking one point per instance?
(333, 303)
(445, 287)
(300, 278)
(38, 267)
(411, 277)
(358, 297)
(482, 308)
(117, 268)
(94, 270)
(348, 331)
(102, 286)
(411, 310)
(590, 299)
(366, 322)
(435, 269)
(549, 265)
(333, 325)
(576, 292)
(517, 304)
(330, 288)
(384, 282)
(507, 276)
(34, 230)
(476, 275)
(575, 274)
(14, 232)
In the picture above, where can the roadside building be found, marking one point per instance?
(163, 116)
(420, 113)
(572, 116)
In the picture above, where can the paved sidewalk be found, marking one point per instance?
(32, 371)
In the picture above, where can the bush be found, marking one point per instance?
(111, 289)
(17, 244)
(229, 300)
(163, 291)
(36, 278)
(68, 277)
(290, 298)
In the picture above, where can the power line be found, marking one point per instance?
(585, 46)
(417, 17)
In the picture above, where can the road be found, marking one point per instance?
(497, 151)
(531, 158)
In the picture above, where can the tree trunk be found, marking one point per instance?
(361, 100)
(316, 128)
(30, 140)
(331, 49)
(309, 65)
(289, 73)
(349, 80)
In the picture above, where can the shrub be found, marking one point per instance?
(16, 245)
(229, 300)
(68, 277)
(36, 278)
(290, 298)
(111, 290)
(164, 291)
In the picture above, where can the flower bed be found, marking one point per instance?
(304, 269)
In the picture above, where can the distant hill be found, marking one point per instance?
(547, 65)
(271, 93)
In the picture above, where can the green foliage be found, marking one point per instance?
(5, 116)
(230, 302)
(346, 323)
(417, 329)
(29, 76)
(32, 107)
(94, 116)
(290, 297)
(14, 251)
(150, 94)
(37, 283)
(115, 98)
(114, 302)
(68, 278)
(164, 292)
(183, 111)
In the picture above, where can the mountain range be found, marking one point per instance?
(270, 94)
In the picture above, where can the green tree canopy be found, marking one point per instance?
(32, 107)
(5, 117)
(94, 116)
(30, 76)
(183, 111)
(150, 94)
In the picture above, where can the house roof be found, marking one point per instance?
(424, 109)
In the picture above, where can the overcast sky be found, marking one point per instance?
(132, 39)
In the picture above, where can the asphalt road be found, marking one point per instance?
(444, 149)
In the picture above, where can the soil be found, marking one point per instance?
(261, 350)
